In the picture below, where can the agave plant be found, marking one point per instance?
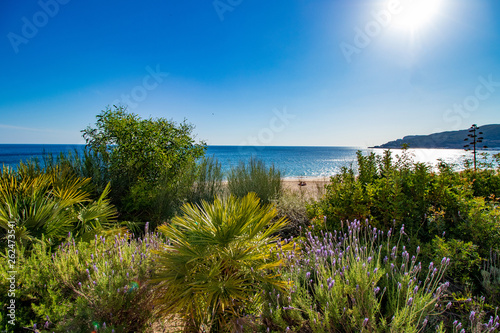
(50, 204)
(220, 255)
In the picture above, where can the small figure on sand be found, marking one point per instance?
(302, 183)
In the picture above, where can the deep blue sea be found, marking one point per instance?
(293, 161)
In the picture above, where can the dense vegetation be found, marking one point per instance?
(388, 246)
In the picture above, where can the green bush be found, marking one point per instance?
(143, 158)
(465, 261)
(430, 203)
(219, 257)
(255, 177)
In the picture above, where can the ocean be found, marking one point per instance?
(294, 162)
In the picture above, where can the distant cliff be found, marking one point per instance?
(451, 140)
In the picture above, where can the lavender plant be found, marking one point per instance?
(354, 281)
(475, 320)
(83, 286)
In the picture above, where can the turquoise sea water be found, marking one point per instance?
(293, 161)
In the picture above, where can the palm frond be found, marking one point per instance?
(217, 259)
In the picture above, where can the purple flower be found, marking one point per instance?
(365, 322)
(472, 315)
(448, 306)
(410, 301)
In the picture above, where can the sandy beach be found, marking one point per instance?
(311, 186)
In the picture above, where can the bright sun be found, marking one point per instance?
(417, 14)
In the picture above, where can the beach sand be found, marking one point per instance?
(314, 186)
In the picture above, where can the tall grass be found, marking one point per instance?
(208, 181)
(255, 177)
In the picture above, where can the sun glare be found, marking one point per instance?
(418, 14)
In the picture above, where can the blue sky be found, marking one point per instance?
(283, 72)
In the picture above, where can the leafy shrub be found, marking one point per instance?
(465, 261)
(143, 158)
(355, 282)
(218, 258)
(391, 193)
(485, 182)
(255, 177)
(84, 286)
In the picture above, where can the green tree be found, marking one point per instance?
(219, 257)
(144, 158)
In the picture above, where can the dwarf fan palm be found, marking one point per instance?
(49, 204)
(219, 256)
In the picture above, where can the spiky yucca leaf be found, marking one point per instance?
(219, 256)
